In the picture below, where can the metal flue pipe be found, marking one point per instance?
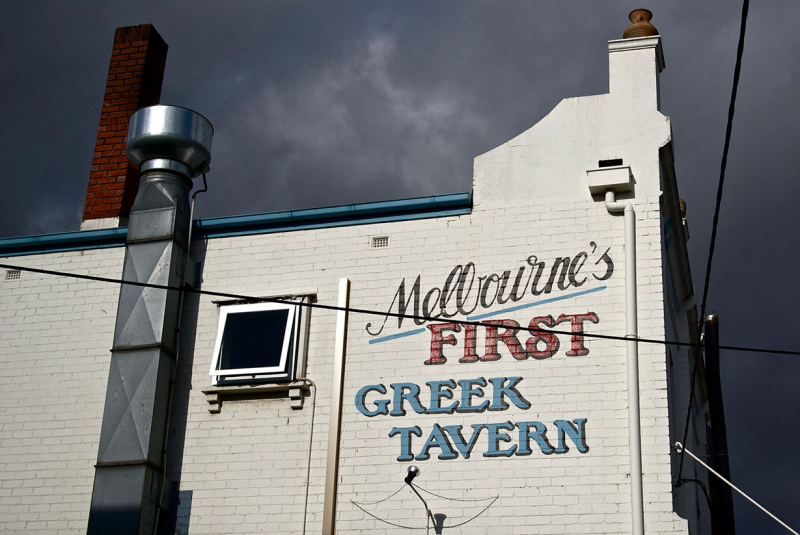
(170, 145)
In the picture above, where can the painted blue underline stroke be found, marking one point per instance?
(493, 313)
(396, 336)
(537, 303)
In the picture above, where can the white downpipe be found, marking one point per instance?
(335, 426)
(632, 350)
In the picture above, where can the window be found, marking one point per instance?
(256, 343)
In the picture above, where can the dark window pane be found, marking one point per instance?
(253, 339)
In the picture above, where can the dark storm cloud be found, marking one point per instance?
(319, 103)
(397, 106)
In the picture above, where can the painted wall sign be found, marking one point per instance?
(476, 395)
(464, 291)
(540, 345)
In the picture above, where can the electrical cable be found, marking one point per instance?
(702, 486)
(310, 442)
(248, 298)
(492, 498)
(383, 520)
(682, 449)
(728, 129)
(472, 500)
(474, 517)
(384, 499)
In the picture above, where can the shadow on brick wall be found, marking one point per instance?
(176, 521)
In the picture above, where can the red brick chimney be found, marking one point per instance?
(134, 81)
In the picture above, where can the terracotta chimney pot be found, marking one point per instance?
(640, 24)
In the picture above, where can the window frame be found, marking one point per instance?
(286, 370)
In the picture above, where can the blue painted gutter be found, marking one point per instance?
(64, 241)
(334, 216)
(453, 204)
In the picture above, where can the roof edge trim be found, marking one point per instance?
(265, 223)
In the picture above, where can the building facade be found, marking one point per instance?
(455, 333)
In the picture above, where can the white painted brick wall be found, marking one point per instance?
(55, 338)
(249, 461)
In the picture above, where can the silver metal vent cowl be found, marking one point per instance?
(170, 138)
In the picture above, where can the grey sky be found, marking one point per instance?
(322, 103)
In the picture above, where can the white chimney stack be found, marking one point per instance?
(635, 61)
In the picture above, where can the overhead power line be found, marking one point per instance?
(371, 312)
(728, 129)
(679, 447)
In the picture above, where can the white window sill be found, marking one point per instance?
(294, 391)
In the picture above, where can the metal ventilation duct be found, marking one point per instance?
(170, 145)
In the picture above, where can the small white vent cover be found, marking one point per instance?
(379, 242)
(13, 274)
